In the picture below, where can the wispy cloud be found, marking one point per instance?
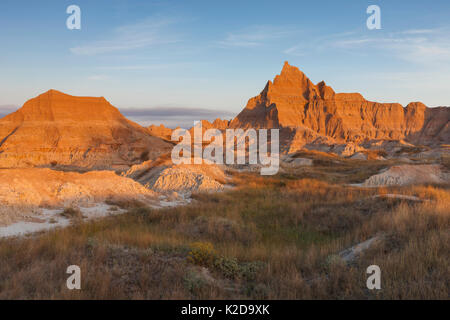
(312, 44)
(152, 31)
(407, 86)
(173, 116)
(198, 113)
(7, 109)
(98, 77)
(420, 31)
(155, 66)
(422, 46)
(255, 36)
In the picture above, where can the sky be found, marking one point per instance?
(177, 60)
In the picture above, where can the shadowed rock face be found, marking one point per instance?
(56, 129)
(309, 112)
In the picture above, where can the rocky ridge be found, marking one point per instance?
(59, 130)
(311, 113)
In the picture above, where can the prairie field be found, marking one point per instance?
(278, 237)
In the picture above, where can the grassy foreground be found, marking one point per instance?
(268, 238)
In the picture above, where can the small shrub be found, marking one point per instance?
(202, 253)
(193, 282)
(232, 269)
(257, 291)
(249, 270)
(228, 267)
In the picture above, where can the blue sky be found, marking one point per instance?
(215, 55)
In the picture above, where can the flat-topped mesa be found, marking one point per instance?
(293, 101)
(54, 105)
(56, 129)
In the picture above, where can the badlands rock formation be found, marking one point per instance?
(409, 174)
(185, 179)
(160, 131)
(166, 133)
(314, 113)
(165, 177)
(313, 116)
(56, 129)
(25, 191)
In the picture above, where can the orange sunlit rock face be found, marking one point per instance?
(316, 112)
(56, 129)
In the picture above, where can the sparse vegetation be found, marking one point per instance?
(268, 238)
(72, 213)
(445, 160)
(202, 253)
(411, 150)
(124, 204)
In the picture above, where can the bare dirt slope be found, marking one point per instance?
(163, 176)
(25, 191)
(409, 174)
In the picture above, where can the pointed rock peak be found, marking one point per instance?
(292, 74)
(326, 92)
(288, 69)
(266, 88)
(292, 82)
(286, 65)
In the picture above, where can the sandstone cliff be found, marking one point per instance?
(314, 113)
(166, 133)
(160, 131)
(56, 129)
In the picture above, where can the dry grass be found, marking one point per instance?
(268, 238)
(125, 203)
(338, 170)
(411, 150)
(445, 161)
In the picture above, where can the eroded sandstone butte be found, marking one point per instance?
(56, 129)
(314, 113)
(160, 131)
